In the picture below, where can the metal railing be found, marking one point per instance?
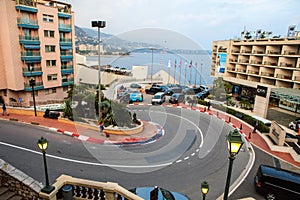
(87, 189)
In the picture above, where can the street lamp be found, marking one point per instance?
(204, 189)
(234, 144)
(43, 145)
(99, 24)
(32, 84)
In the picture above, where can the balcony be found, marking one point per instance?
(246, 51)
(28, 56)
(267, 74)
(283, 64)
(283, 76)
(255, 62)
(30, 40)
(66, 56)
(65, 27)
(38, 86)
(67, 69)
(67, 81)
(243, 61)
(65, 41)
(27, 8)
(253, 72)
(235, 51)
(86, 189)
(270, 63)
(37, 71)
(287, 52)
(64, 15)
(27, 23)
(230, 69)
(258, 52)
(241, 70)
(273, 52)
(26, 3)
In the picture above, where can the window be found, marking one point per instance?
(52, 77)
(48, 33)
(50, 63)
(65, 89)
(50, 48)
(53, 90)
(46, 91)
(47, 18)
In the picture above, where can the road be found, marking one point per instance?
(184, 157)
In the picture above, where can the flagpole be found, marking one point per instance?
(196, 69)
(185, 65)
(180, 63)
(201, 73)
(191, 74)
(174, 71)
(169, 67)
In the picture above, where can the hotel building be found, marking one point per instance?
(36, 46)
(270, 67)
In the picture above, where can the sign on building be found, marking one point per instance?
(261, 91)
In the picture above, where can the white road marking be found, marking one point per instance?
(84, 162)
(178, 161)
(193, 154)
(186, 158)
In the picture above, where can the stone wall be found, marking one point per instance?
(18, 182)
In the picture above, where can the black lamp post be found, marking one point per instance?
(32, 84)
(99, 24)
(204, 189)
(234, 142)
(152, 49)
(43, 145)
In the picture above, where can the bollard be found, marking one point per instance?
(217, 114)
(249, 137)
(229, 119)
(67, 192)
(241, 127)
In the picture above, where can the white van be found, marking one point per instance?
(263, 120)
(158, 98)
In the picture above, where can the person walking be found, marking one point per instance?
(255, 126)
(208, 105)
(4, 110)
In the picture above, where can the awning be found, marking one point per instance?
(66, 47)
(26, 46)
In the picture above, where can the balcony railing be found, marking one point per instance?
(31, 56)
(65, 27)
(67, 69)
(270, 63)
(287, 52)
(241, 70)
(235, 51)
(86, 189)
(232, 60)
(26, 2)
(253, 72)
(282, 76)
(230, 68)
(255, 62)
(246, 51)
(258, 52)
(283, 64)
(36, 71)
(38, 86)
(24, 39)
(65, 41)
(243, 61)
(272, 52)
(67, 81)
(27, 23)
(266, 74)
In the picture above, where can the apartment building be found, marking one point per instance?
(36, 51)
(270, 66)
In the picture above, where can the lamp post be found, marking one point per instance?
(234, 144)
(32, 84)
(204, 189)
(43, 145)
(99, 24)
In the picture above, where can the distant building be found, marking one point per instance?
(36, 42)
(270, 67)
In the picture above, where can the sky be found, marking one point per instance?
(203, 21)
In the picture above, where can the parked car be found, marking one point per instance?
(177, 98)
(173, 90)
(154, 89)
(202, 95)
(135, 97)
(192, 91)
(135, 85)
(158, 98)
(293, 125)
(276, 183)
(51, 114)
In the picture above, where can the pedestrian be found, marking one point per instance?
(208, 105)
(4, 110)
(101, 127)
(255, 126)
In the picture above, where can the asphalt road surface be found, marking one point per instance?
(192, 150)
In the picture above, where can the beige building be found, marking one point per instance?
(270, 66)
(36, 43)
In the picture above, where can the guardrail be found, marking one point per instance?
(87, 189)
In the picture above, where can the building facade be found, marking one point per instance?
(36, 51)
(270, 66)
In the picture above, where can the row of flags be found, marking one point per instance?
(180, 64)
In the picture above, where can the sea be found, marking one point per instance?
(189, 69)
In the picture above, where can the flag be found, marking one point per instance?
(185, 63)
(169, 64)
(175, 64)
(191, 64)
(180, 63)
